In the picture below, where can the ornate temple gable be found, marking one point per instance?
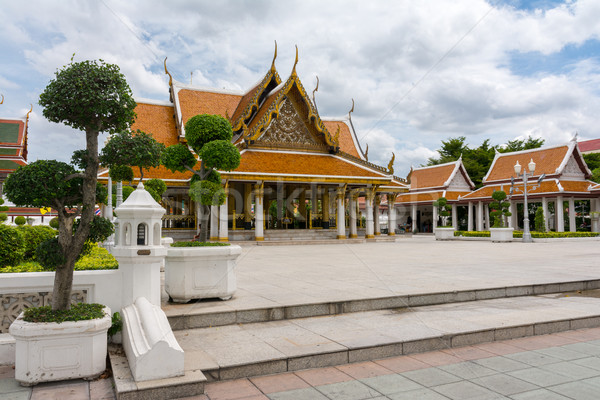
(288, 127)
(572, 169)
(253, 100)
(269, 111)
(459, 182)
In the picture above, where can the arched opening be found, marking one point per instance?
(141, 235)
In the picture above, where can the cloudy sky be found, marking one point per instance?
(419, 71)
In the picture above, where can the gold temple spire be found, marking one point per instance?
(295, 62)
(168, 73)
(391, 164)
(313, 93)
(2, 99)
(28, 112)
(274, 57)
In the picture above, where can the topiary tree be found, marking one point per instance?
(499, 208)
(94, 97)
(540, 221)
(53, 223)
(209, 136)
(33, 236)
(20, 220)
(137, 149)
(156, 187)
(443, 210)
(12, 246)
(3, 215)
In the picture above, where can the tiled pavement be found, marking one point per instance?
(559, 366)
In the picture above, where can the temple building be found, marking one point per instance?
(297, 171)
(559, 182)
(13, 145)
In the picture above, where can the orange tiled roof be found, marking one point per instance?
(576, 186)
(549, 186)
(194, 102)
(243, 103)
(430, 177)
(426, 197)
(547, 162)
(595, 188)
(346, 142)
(264, 108)
(160, 172)
(157, 120)
(304, 164)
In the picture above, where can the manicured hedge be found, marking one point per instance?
(539, 235)
(33, 236)
(12, 246)
(198, 244)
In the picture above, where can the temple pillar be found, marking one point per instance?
(369, 229)
(560, 214)
(314, 204)
(223, 228)
(454, 217)
(486, 213)
(435, 219)
(353, 213)
(414, 228)
(545, 210)
(280, 198)
(470, 216)
(214, 223)
(259, 195)
(479, 221)
(572, 226)
(341, 215)
(376, 204)
(247, 206)
(325, 207)
(513, 211)
(391, 200)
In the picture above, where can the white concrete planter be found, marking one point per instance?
(444, 233)
(201, 272)
(53, 352)
(501, 234)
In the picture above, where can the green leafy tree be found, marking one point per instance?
(94, 97)
(540, 221)
(209, 136)
(137, 149)
(499, 209)
(443, 210)
(20, 220)
(3, 208)
(592, 160)
(518, 145)
(156, 188)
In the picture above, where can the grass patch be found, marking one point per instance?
(78, 312)
(199, 244)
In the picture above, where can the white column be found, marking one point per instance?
(486, 213)
(109, 206)
(352, 207)
(595, 206)
(560, 218)
(470, 217)
(391, 199)
(214, 223)
(376, 202)
(223, 228)
(341, 214)
(119, 193)
(414, 227)
(512, 220)
(259, 234)
(479, 216)
(454, 217)
(435, 219)
(545, 210)
(370, 228)
(572, 226)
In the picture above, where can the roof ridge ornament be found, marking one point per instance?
(367, 153)
(2, 99)
(295, 62)
(574, 138)
(168, 73)
(274, 57)
(313, 92)
(28, 112)
(391, 164)
(351, 111)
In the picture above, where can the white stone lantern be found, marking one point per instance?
(138, 246)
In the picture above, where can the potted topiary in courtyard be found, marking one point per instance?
(205, 271)
(445, 231)
(64, 342)
(499, 232)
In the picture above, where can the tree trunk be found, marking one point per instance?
(72, 244)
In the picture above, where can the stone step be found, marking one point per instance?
(245, 350)
(218, 313)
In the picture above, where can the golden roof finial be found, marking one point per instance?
(274, 57)
(168, 73)
(295, 62)
(316, 88)
(391, 164)
(367, 152)
(2, 99)
(28, 112)
(352, 109)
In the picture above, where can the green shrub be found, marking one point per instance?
(472, 233)
(12, 246)
(540, 221)
(78, 312)
(54, 223)
(33, 236)
(20, 220)
(539, 235)
(3, 218)
(198, 244)
(499, 208)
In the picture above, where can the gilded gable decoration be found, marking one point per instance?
(367, 153)
(274, 57)
(287, 127)
(391, 164)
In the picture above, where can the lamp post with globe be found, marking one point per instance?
(525, 176)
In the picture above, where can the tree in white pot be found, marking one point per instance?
(443, 231)
(499, 232)
(94, 97)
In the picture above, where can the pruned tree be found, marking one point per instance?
(94, 97)
(499, 209)
(443, 209)
(209, 137)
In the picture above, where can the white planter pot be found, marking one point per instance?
(53, 352)
(201, 272)
(501, 234)
(442, 233)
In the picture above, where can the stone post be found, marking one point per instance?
(470, 216)
(560, 214)
(391, 200)
(572, 225)
(454, 217)
(545, 210)
(341, 215)
(479, 215)
(369, 231)
(352, 207)
(259, 234)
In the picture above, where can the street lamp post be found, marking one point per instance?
(525, 176)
